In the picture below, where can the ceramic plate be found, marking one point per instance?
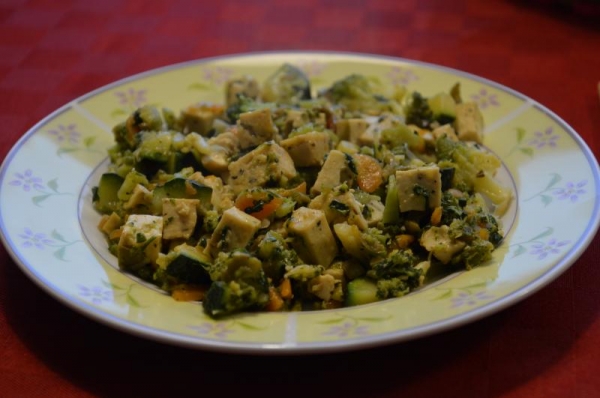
(49, 226)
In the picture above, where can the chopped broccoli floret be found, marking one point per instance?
(357, 93)
(239, 284)
(275, 255)
(399, 263)
(417, 111)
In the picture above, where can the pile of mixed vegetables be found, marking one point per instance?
(285, 200)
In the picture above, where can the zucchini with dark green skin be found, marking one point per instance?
(105, 195)
(190, 266)
(180, 188)
(361, 291)
(287, 84)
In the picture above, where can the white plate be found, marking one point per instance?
(49, 227)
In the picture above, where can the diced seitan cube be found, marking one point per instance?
(266, 164)
(179, 217)
(198, 118)
(140, 196)
(437, 240)
(351, 129)
(469, 122)
(313, 240)
(419, 188)
(445, 130)
(340, 207)
(140, 242)
(234, 231)
(245, 85)
(335, 171)
(259, 124)
(307, 149)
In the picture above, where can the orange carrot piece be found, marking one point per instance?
(404, 240)
(436, 216)
(246, 202)
(189, 293)
(370, 175)
(285, 289)
(275, 301)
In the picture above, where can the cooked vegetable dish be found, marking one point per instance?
(283, 199)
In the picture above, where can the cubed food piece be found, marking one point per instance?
(259, 125)
(338, 168)
(313, 240)
(245, 85)
(268, 164)
(438, 241)
(419, 188)
(154, 146)
(140, 241)
(445, 130)
(110, 223)
(351, 129)
(295, 118)
(469, 122)
(141, 197)
(340, 207)
(234, 231)
(199, 118)
(179, 217)
(307, 149)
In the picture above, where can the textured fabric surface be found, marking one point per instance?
(52, 51)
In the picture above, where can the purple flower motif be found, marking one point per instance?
(219, 329)
(402, 76)
(33, 239)
(217, 75)
(96, 294)
(469, 299)
(312, 69)
(27, 180)
(547, 137)
(571, 191)
(346, 329)
(132, 98)
(485, 99)
(66, 133)
(542, 250)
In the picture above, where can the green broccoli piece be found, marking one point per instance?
(358, 94)
(399, 263)
(239, 284)
(417, 111)
(275, 255)
(375, 242)
(474, 254)
(394, 287)
(288, 84)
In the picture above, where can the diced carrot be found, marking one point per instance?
(436, 216)
(275, 301)
(189, 189)
(115, 234)
(404, 240)
(189, 293)
(268, 207)
(285, 289)
(370, 175)
(103, 221)
(484, 234)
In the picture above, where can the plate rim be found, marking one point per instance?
(392, 337)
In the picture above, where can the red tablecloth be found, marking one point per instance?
(52, 51)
